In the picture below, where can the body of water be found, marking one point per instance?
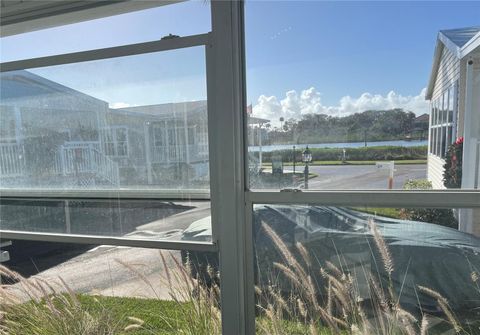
(401, 143)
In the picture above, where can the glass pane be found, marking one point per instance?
(444, 141)
(178, 19)
(105, 290)
(451, 104)
(115, 112)
(439, 141)
(139, 219)
(356, 103)
(323, 269)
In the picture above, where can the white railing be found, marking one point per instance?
(83, 144)
(12, 160)
(477, 177)
(76, 159)
(178, 153)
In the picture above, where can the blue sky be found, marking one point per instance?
(347, 48)
(333, 57)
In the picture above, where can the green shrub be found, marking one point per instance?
(441, 216)
(352, 154)
(418, 184)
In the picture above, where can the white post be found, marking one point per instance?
(260, 158)
(469, 140)
(390, 175)
(231, 229)
(186, 147)
(469, 148)
(63, 160)
(68, 224)
(18, 125)
(146, 130)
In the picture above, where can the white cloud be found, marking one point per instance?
(268, 107)
(116, 105)
(309, 101)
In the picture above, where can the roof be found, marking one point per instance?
(423, 118)
(170, 109)
(167, 109)
(461, 36)
(460, 42)
(257, 120)
(22, 84)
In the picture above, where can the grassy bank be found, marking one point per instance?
(368, 154)
(317, 163)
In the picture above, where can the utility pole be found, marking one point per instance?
(294, 161)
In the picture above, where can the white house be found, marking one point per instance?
(52, 135)
(454, 93)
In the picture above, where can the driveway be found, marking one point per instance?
(362, 176)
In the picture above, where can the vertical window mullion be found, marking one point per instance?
(226, 108)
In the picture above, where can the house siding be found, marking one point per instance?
(448, 73)
(435, 171)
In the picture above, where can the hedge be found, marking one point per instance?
(352, 154)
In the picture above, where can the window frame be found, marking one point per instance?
(202, 40)
(465, 199)
(113, 132)
(231, 199)
(442, 129)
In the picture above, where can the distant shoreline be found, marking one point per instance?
(346, 145)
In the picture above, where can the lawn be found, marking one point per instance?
(160, 316)
(368, 162)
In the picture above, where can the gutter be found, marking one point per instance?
(470, 46)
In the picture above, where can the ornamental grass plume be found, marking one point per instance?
(334, 306)
(38, 306)
(382, 247)
(444, 306)
(196, 305)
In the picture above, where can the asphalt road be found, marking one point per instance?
(362, 176)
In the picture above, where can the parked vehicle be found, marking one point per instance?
(426, 254)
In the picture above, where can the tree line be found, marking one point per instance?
(371, 125)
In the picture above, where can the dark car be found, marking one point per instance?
(440, 258)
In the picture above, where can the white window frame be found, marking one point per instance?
(231, 200)
(370, 198)
(440, 123)
(113, 132)
(204, 40)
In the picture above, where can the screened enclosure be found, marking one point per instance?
(205, 136)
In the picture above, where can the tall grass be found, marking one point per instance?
(38, 306)
(338, 309)
(49, 307)
(197, 306)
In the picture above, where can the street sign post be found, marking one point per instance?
(391, 167)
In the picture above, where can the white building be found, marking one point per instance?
(454, 93)
(94, 144)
